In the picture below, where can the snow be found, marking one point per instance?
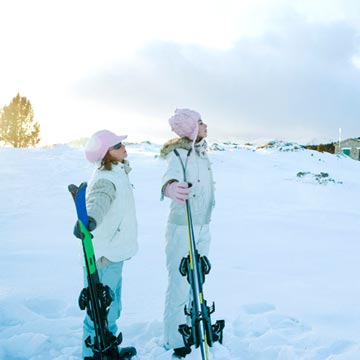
(285, 254)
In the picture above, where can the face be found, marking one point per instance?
(202, 130)
(118, 151)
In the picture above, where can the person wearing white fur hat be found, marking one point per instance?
(199, 190)
(112, 219)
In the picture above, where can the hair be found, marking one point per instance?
(107, 162)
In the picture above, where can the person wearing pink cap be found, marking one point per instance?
(112, 219)
(199, 190)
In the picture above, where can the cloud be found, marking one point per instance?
(296, 81)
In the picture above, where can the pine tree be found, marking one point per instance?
(17, 126)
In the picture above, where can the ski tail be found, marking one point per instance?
(79, 196)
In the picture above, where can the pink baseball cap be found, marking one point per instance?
(185, 122)
(99, 143)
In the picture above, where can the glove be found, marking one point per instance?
(177, 191)
(91, 226)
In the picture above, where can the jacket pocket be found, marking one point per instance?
(116, 234)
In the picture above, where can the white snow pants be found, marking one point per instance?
(110, 275)
(178, 291)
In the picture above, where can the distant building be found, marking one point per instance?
(349, 147)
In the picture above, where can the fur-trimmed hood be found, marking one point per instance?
(180, 143)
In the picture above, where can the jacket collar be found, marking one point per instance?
(125, 165)
(183, 143)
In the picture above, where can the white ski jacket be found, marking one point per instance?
(115, 236)
(198, 173)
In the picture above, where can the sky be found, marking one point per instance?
(254, 69)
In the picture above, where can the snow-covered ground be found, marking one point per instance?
(285, 255)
